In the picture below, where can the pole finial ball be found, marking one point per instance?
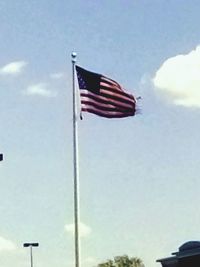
(74, 54)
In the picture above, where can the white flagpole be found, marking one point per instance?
(76, 166)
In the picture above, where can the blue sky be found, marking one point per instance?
(139, 176)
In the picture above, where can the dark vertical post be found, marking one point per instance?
(31, 252)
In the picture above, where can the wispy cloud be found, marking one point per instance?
(57, 75)
(6, 245)
(179, 79)
(85, 230)
(40, 89)
(13, 68)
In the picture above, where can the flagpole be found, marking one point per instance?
(76, 167)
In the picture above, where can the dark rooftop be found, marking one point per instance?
(188, 249)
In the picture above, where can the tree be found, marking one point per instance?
(123, 261)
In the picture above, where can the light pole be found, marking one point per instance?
(31, 245)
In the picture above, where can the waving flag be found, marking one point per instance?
(103, 96)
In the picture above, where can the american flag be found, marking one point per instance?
(103, 96)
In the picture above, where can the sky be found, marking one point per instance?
(139, 176)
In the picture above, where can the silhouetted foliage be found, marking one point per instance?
(123, 261)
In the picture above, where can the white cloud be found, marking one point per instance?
(57, 75)
(40, 89)
(84, 229)
(179, 78)
(13, 68)
(6, 245)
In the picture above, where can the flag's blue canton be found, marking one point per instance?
(82, 83)
(88, 80)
